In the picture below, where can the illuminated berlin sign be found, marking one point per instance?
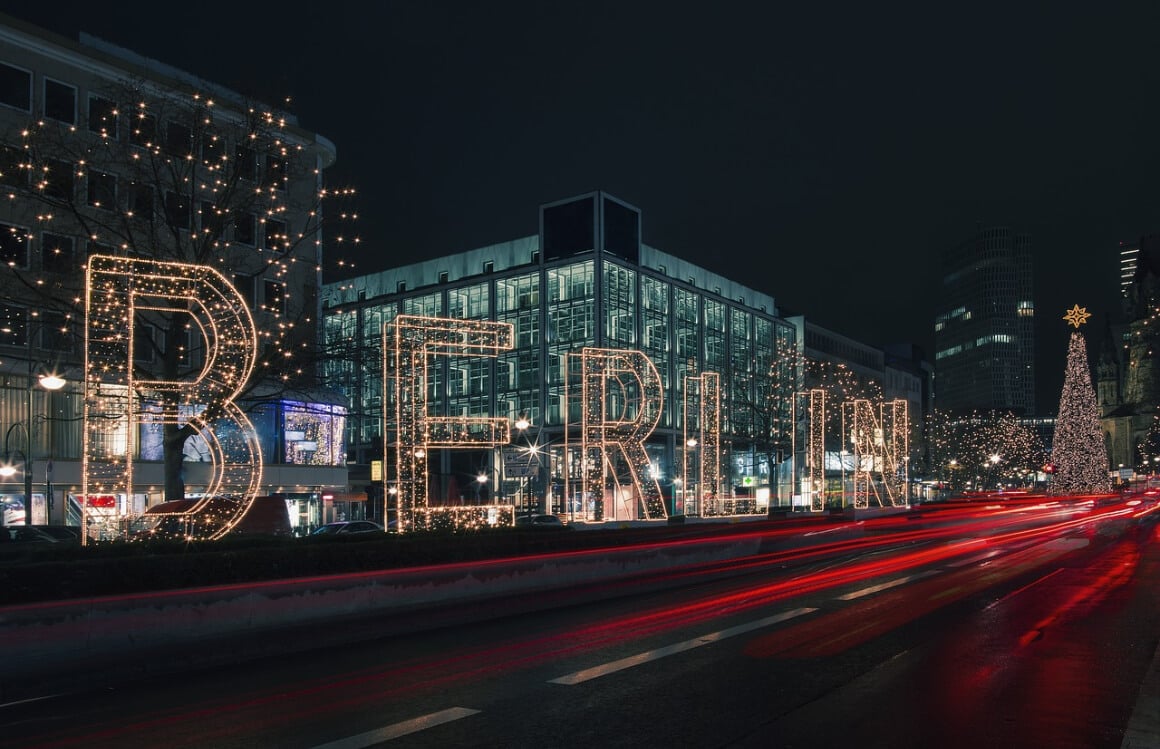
(620, 390)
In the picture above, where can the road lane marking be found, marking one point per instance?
(886, 585)
(395, 730)
(972, 560)
(595, 672)
(1016, 592)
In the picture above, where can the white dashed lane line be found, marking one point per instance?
(886, 585)
(395, 730)
(579, 677)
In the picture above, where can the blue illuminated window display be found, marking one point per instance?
(311, 434)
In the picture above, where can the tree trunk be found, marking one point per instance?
(173, 444)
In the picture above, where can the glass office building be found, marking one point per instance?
(585, 281)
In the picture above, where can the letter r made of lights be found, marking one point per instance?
(119, 399)
(621, 400)
(410, 341)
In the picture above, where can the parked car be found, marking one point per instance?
(541, 522)
(348, 528)
(175, 519)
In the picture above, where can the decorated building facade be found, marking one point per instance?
(104, 152)
(1127, 374)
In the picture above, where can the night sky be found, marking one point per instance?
(825, 155)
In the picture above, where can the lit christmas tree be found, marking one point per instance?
(1078, 448)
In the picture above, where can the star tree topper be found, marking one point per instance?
(1077, 316)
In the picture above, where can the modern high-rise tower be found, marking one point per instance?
(984, 337)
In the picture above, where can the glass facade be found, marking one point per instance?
(557, 307)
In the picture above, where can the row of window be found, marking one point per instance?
(58, 252)
(59, 103)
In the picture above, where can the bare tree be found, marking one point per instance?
(182, 177)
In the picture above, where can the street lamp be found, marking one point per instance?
(49, 382)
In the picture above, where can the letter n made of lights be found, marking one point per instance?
(702, 451)
(816, 449)
(119, 399)
(621, 400)
(409, 342)
(880, 444)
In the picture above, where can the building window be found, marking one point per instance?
(140, 201)
(177, 211)
(212, 149)
(489, 267)
(245, 228)
(443, 277)
(143, 342)
(60, 102)
(178, 140)
(102, 190)
(274, 235)
(15, 88)
(400, 287)
(245, 287)
(102, 116)
(189, 349)
(275, 173)
(58, 180)
(211, 221)
(11, 171)
(13, 246)
(13, 326)
(246, 163)
(275, 297)
(58, 253)
(56, 332)
(143, 131)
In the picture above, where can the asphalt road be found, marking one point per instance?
(1034, 627)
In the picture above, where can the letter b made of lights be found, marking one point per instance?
(410, 342)
(120, 399)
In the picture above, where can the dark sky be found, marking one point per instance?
(825, 155)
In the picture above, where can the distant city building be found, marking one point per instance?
(1127, 374)
(984, 335)
(1129, 258)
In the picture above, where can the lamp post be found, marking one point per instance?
(49, 382)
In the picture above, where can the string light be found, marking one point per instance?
(703, 411)
(1078, 446)
(409, 342)
(816, 449)
(878, 443)
(615, 384)
(117, 401)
